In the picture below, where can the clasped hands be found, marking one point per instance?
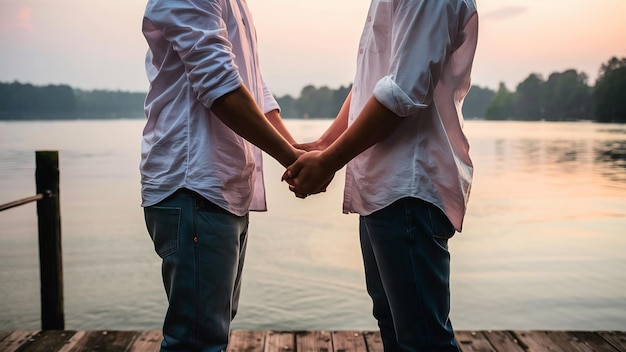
(310, 173)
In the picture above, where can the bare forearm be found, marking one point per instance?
(274, 118)
(339, 125)
(375, 123)
(240, 113)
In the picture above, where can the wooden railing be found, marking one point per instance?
(49, 227)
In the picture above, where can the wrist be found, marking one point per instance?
(331, 159)
(323, 143)
(290, 157)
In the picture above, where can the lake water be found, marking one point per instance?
(543, 246)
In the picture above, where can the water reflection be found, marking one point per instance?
(542, 246)
(618, 130)
(583, 153)
(612, 155)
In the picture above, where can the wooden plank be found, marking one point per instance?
(503, 341)
(4, 334)
(246, 341)
(101, 341)
(280, 341)
(73, 341)
(616, 338)
(13, 341)
(348, 341)
(48, 340)
(374, 341)
(473, 341)
(147, 341)
(568, 342)
(538, 341)
(314, 341)
(592, 340)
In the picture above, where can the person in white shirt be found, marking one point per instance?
(209, 115)
(408, 170)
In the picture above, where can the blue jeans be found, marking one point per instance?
(407, 271)
(203, 248)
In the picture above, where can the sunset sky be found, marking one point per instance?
(97, 44)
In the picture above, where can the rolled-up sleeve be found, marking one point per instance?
(421, 36)
(199, 35)
(269, 102)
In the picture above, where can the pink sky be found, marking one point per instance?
(98, 44)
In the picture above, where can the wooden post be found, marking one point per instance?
(50, 254)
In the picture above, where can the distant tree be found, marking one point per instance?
(15, 97)
(105, 104)
(610, 91)
(307, 101)
(26, 101)
(288, 108)
(528, 105)
(57, 100)
(314, 102)
(325, 107)
(476, 102)
(502, 105)
(339, 96)
(566, 97)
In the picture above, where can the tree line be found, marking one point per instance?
(564, 96)
(19, 101)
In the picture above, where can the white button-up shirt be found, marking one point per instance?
(198, 51)
(415, 57)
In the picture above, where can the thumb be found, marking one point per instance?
(286, 175)
(310, 146)
(292, 171)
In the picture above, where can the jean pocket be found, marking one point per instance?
(163, 225)
(442, 228)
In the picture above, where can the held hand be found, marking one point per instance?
(310, 146)
(298, 153)
(308, 175)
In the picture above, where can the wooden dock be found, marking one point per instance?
(312, 341)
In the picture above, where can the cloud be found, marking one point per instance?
(25, 19)
(506, 13)
(19, 19)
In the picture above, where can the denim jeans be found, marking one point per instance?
(203, 248)
(407, 271)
